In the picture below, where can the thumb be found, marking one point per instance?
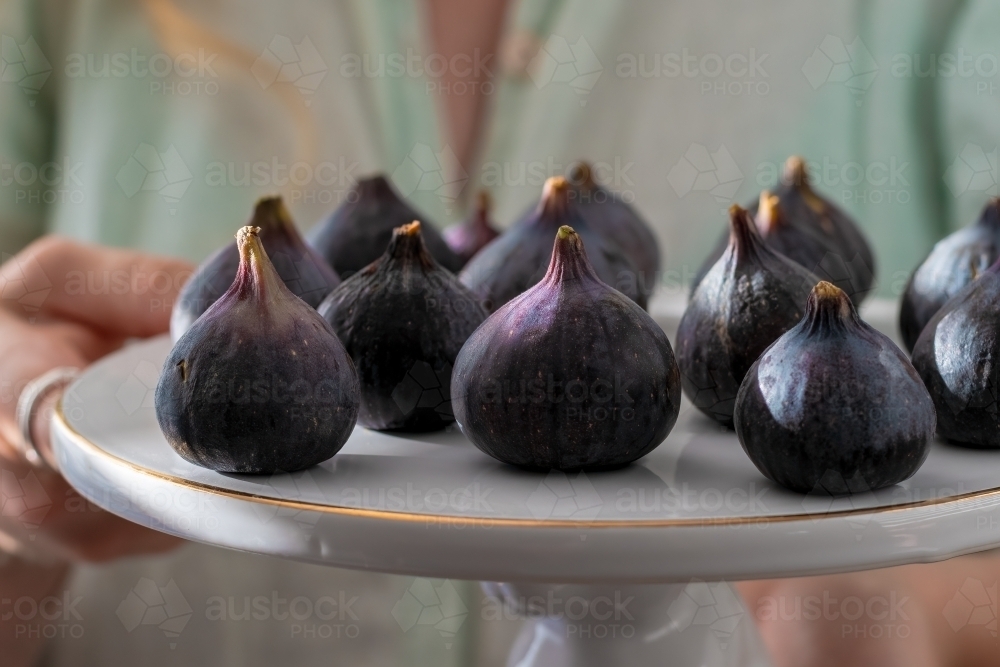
(120, 292)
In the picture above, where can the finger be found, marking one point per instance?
(121, 292)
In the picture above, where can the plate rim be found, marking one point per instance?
(60, 421)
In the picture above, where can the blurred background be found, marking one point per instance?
(155, 125)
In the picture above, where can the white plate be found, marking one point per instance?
(433, 505)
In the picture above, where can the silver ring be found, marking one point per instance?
(27, 405)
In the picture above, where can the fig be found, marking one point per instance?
(469, 237)
(607, 213)
(811, 231)
(304, 272)
(834, 401)
(259, 383)
(951, 265)
(403, 320)
(570, 375)
(958, 357)
(358, 232)
(747, 301)
(517, 259)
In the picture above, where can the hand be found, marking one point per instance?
(96, 298)
(908, 616)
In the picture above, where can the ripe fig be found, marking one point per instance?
(259, 383)
(958, 357)
(811, 231)
(608, 214)
(517, 259)
(469, 237)
(834, 401)
(304, 272)
(747, 301)
(358, 232)
(952, 264)
(403, 320)
(570, 375)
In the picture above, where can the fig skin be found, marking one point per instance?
(834, 400)
(304, 272)
(511, 378)
(952, 264)
(957, 355)
(469, 237)
(403, 320)
(749, 299)
(519, 258)
(608, 214)
(259, 383)
(359, 231)
(812, 232)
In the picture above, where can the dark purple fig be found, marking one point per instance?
(951, 265)
(469, 237)
(958, 356)
(811, 231)
(517, 260)
(259, 383)
(607, 213)
(570, 375)
(747, 301)
(834, 405)
(359, 231)
(403, 320)
(304, 272)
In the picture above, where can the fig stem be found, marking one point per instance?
(796, 172)
(569, 258)
(768, 213)
(828, 309)
(256, 275)
(555, 196)
(744, 240)
(406, 244)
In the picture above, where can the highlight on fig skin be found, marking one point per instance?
(834, 405)
(259, 383)
(953, 263)
(749, 298)
(303, 271)
(469, 237)
(568, 330)
(403, 319)
(957, 355)
(518, 258)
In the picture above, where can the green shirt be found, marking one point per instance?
(137, 124)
